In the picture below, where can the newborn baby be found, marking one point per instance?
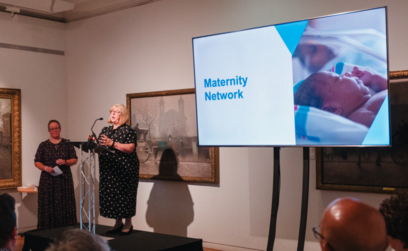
(357, 95)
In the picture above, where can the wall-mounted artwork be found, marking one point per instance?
(10, 138)
(167, 147)
(371, 169)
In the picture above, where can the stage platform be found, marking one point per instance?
(38, 240)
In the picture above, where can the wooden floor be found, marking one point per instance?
(20, 244)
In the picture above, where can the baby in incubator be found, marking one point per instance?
(356, 95)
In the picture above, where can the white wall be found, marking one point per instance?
(42, 80)
(148, 48)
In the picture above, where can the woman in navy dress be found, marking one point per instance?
(56, 197)
(119, 171)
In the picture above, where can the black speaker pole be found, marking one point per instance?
(305, 199)
(275, 197)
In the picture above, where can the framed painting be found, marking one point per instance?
(10, 138)
(371, 169)
(167, 147)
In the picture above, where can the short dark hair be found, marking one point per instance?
(53, 121)
(395, 213)
(307, 94)
(7, 219)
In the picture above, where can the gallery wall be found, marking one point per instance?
(148, 48)
(42, 80)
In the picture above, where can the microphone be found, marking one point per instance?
(93, 134)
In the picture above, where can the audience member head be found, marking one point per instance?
(395, 213)
(349, 225)
(8, 230)
(79, 240)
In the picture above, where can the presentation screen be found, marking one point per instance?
(317, 82)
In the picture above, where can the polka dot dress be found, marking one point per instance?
(56, 197)
(119, 176)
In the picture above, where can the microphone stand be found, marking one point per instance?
(93, 134)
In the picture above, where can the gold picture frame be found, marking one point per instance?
(389, 161)
(165, 123)
(10, 138)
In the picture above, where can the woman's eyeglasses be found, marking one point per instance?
(114, 112)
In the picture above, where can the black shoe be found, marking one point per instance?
(115, 231)
(126, 233)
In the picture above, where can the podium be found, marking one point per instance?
(87, 182)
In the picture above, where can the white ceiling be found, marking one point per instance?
(83, 8)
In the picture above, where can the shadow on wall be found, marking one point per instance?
(170, 206)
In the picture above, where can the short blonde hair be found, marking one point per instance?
(124, 114)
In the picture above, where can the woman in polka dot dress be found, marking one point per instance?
(56, 197)
(119, 172)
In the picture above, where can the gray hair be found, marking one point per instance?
(79, 240)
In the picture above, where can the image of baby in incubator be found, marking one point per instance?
(356, 38)
(356, 95)
(340, 74)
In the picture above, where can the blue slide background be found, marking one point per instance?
(291, 33)
(379, 130)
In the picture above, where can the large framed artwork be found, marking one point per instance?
(10, 138)
(167, 147)
(371, 169)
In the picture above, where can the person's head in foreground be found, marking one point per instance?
(352, 95)
(79, 240)
(8, 230)
(395, 212)
(349, 225)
